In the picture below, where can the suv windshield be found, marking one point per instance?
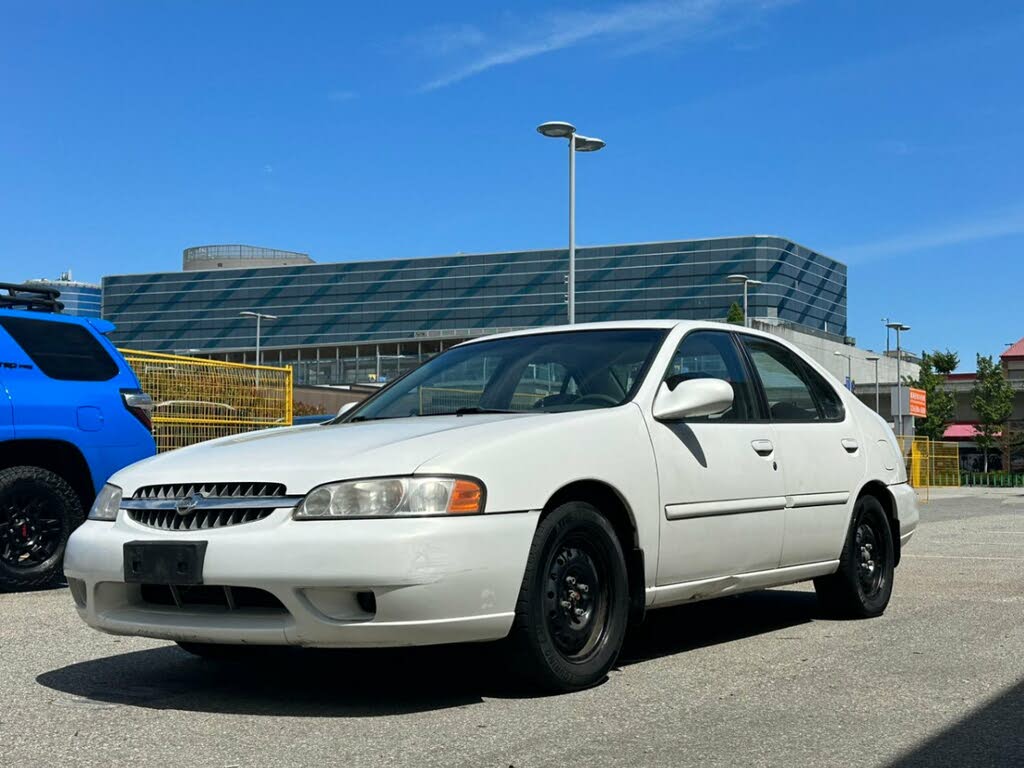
(544, 372)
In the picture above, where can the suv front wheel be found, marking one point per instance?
(38, 511)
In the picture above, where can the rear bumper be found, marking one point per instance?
(434, 580)
(906, 510)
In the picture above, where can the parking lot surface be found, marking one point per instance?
(758, 679)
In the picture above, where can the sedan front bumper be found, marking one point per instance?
(433, 580)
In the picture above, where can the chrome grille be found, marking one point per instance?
(200, 519)
(210, 490)
(202, 506)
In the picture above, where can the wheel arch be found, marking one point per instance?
(613, 505)
(58, 456)
(879, 491)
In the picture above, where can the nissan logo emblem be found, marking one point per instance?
(188, 503)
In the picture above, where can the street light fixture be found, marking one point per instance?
(849, 368)
(874, 359)
(747, 281)
(898, 327)
(577, 143)
(259, 317)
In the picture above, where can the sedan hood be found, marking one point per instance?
(307, 456)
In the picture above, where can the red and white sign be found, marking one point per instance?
(918, 403)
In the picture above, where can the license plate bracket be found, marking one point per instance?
(164, 562)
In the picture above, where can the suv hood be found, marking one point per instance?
(305, 457)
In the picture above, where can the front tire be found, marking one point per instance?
(38, 511)
(862, 586)
(573, 605)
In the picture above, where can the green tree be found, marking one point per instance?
(935, 367)
(992, 400)
(735, 315)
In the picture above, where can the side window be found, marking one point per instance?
(62, 351)
(713, 355)
(783, 378)
(828, 401)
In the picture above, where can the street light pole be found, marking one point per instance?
(746, 282)
(874, 359)
(899, 377)
(561, 130)
(259, 316)
(849, 368)
(571, 298)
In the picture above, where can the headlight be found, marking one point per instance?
(107, 503)
(393, 497)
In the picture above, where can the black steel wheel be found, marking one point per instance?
(574, 604)
(862, 585)
(38, 511)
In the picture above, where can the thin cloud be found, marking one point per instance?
(642, 25)
(1001, 223)
(341, 95)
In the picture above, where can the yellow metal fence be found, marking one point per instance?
(931, 463)
(196, 399)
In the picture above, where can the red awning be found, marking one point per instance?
(962, 432)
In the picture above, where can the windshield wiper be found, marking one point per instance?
(467, 411)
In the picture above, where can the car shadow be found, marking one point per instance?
(990, 735)
(378, 682)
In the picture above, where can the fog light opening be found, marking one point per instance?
(77, 587)
(367, 602)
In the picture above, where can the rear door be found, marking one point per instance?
(819, 450)
(60, 379)
(723, 497)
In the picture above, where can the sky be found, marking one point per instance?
(889, 136)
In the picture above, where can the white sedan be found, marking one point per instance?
(546, 487)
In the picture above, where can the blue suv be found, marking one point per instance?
(71, 414)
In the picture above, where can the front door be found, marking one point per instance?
(722, 493)
(819, 444)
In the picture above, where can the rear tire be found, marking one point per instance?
(38, 512)
(862, 586)
(573, 605)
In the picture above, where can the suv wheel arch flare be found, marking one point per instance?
(614, 507)
(60, 457)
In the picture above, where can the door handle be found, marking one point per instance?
(850, 444)
(762, 447)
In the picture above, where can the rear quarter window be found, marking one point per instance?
(62, 351)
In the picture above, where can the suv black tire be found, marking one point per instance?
(862, 586)
(38, 512)
(573, 605)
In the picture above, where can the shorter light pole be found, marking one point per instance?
(898, 327)
(259, 316)
(849, 368)
(746, 282)
(874, 359)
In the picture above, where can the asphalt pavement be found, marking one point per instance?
(753, 680)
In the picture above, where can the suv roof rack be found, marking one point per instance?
(37, 298)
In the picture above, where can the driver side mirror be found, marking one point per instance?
(696, 397)
(346, 408)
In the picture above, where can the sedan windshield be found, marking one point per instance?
(543, 372)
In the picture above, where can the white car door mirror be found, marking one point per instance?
(695, 397)
(346, 408)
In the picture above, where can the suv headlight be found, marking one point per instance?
(393, 497)
(106, 505)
